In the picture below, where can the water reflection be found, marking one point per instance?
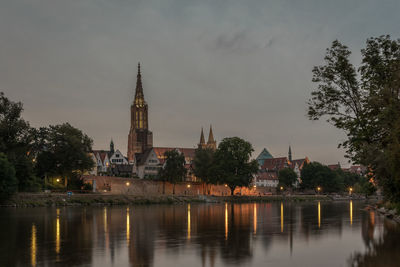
(33, 246)
(351, 212)
(188, 222)
(58, 231)
(281, 217)
(220, 235)
(128, 228)
(226, 221)
(319, 214)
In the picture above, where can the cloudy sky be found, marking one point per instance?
(242, 66)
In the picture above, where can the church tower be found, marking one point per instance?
(290, 153)
(139, 138)
(202, 143)
(211, 143)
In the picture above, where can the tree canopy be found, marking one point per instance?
(174, 170)
(8, 181)
(65, 152)
(204, 165)
(234, 166)
(287, 178)
(365, 103)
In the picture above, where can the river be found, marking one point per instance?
(263, 234)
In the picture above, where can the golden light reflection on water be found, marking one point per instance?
(105, 219)
(282, 217)
(33, 246)
(127, 225)
(226, 221)
(58, 232)
(319, 214)
(255, 219)
(351, 212)
(188, 222)
(372, 218)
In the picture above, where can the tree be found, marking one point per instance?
(65, 153)
(16, 141)
(174, 169)
(365, 104)
(204, 165)
(233, 164)
(314, 175)
(287, 177)
(8, 181)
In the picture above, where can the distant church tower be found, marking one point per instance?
(139, 138)
(290, 153)
(211, 143)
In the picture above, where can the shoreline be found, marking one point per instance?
(92, 199)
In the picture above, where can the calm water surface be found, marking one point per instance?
(270, 234)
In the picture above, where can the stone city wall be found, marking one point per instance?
(143, 187)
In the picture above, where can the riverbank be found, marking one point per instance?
(389, 210)
(62, 199)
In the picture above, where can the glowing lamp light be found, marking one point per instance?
(281, 188)
(127, 183)
(319, 188)
(254, 186)
(188, 186)
(226, 185)
(58, 180)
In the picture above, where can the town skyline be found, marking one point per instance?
(245, 69)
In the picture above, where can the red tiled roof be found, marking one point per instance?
(334, 166)
(267, 176)
(275, 164)
(299, 162)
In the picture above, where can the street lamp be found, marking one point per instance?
(319, 189)
(127, 183)
(188, 186)
(350, 190)
(281, 188)
(58, 180)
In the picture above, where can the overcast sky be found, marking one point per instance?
(242, 66)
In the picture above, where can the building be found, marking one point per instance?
(211, 143)
(140, 138)
(141, 153)
(263, 156)
(269, 168)
(111, 162)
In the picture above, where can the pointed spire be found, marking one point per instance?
(202, 140)
(112, 146)
(210, 136)
(290, 153)
(139, 87)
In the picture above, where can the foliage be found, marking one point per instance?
(8, 180)
(365, 104)
(174, 168)
(204, 165)
(65, 152)
(364, 187)
(315, 175)
(287, 178)
(16, 141)
(233, 165)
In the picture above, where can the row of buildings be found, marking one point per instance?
(143, 160)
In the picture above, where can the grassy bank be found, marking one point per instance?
(46, 199)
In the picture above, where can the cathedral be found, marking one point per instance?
(140, 138)
(147, 160)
